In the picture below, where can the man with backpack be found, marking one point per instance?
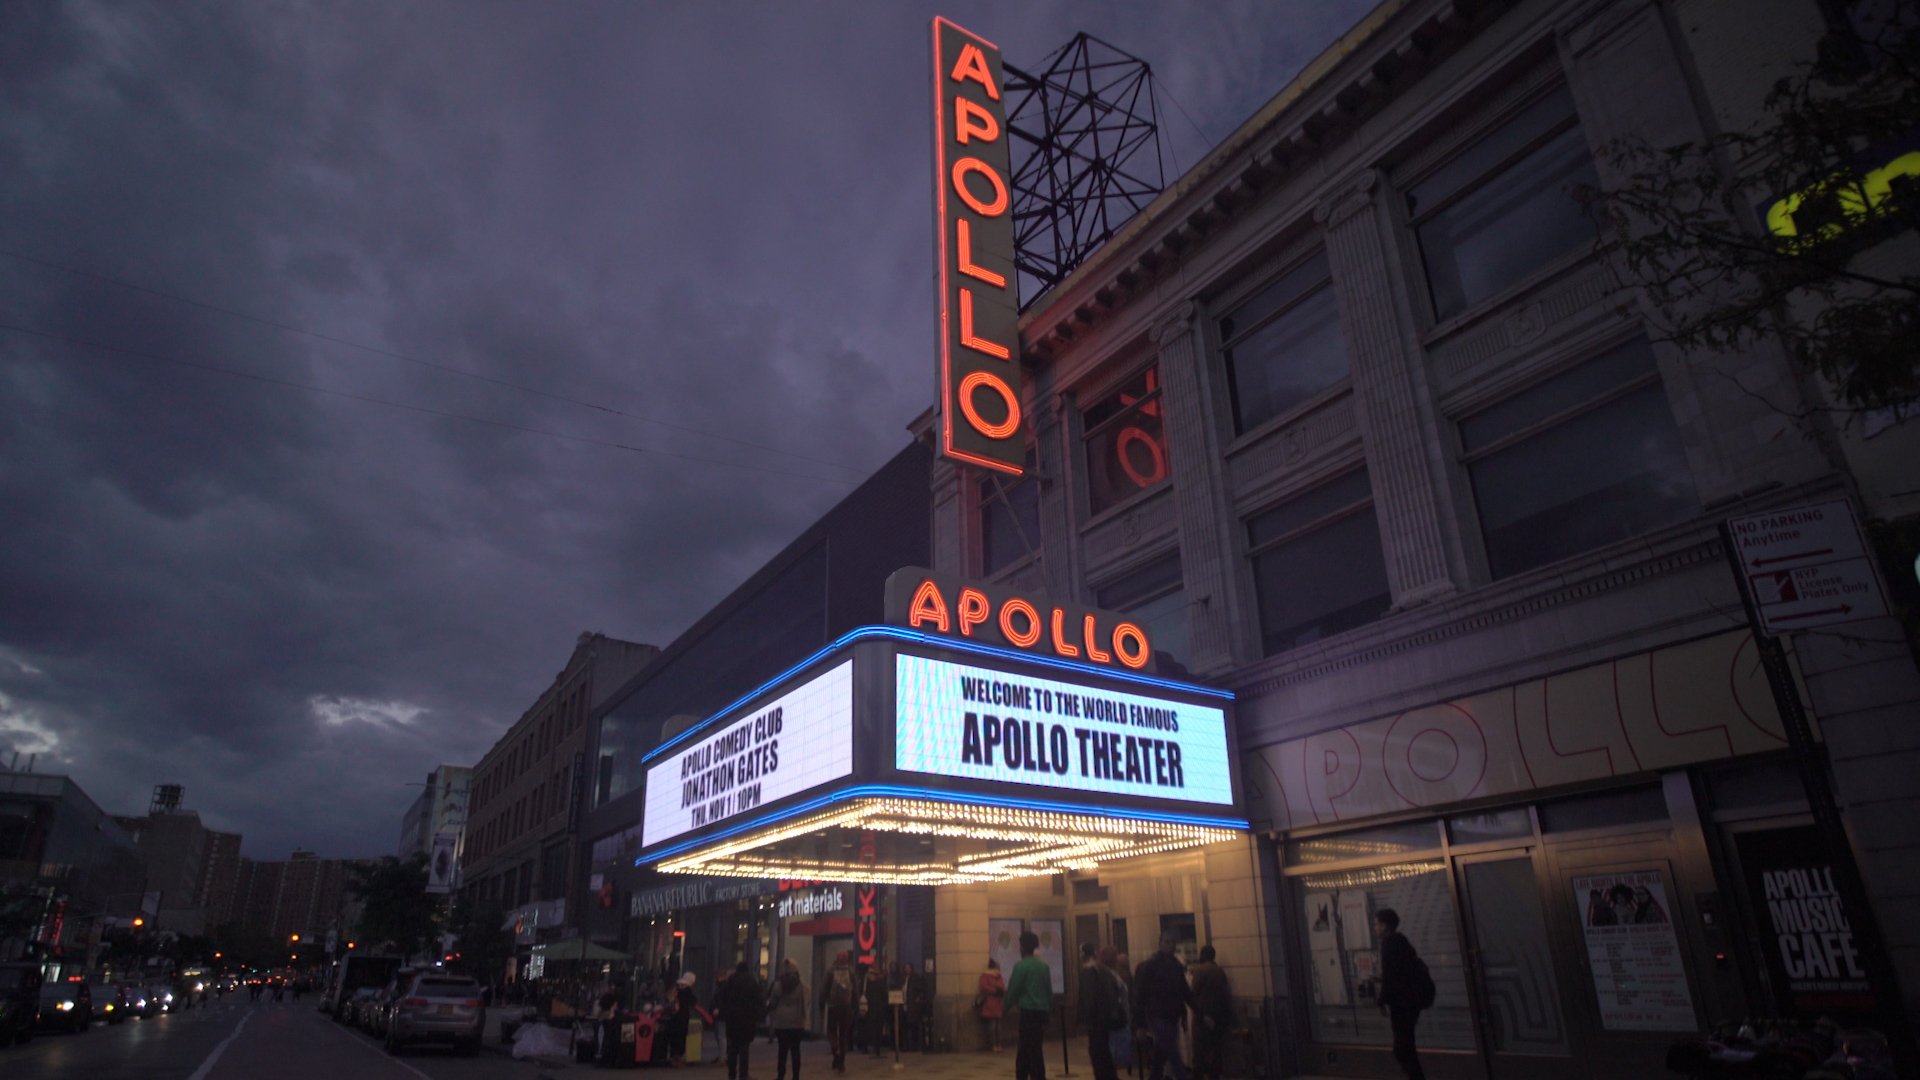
(1406, 987)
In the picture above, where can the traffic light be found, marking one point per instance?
(139, 922)
(351, 945)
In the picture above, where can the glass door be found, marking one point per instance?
(1511, 957)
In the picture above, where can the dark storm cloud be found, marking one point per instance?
(711, 215)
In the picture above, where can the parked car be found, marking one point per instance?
(110, 1003)
(382, 1008)
(439, 1008)
(66, 1006)
(19, 1001)
(348, 1011)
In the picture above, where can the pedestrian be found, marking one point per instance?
(1101, 1011)
(873, 1009)
(680, 1021)
(1161, 996)
(837, 1003)
(989, 1003)
(1120, 1041)
(914, 1008)
(1405, 988)
(1212, 1014)
(739, 1008)
(787, 1014)
(1030, 990)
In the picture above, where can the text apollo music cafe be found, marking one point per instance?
(903, 754)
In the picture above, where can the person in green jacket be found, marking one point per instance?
(1030, 990)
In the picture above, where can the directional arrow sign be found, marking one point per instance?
(1806, 567)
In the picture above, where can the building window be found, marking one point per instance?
(1579, 461)
(1343, 954)
(1317, 566)
(1155, 597)
(1506, 206)
(1283, 345)
(1126, 442)
(1009, 518)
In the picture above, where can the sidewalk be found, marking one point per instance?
(814, 1059)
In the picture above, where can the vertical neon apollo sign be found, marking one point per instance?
(979, 311)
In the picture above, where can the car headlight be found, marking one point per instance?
(109, 1006)
(65, 1006)
(168, 996)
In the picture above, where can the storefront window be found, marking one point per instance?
(1126, 442)
(1336, 933)
(1382, 842)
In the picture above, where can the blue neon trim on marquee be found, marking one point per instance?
(867, 791)
(900, 633)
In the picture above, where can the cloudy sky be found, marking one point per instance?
(676, 255)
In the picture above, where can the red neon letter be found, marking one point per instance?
(1060, 644)
(974, 165)
(967, 338)
(1094, 652)
(972, 610)
(928, 606)
(1138, 656)
(1026, 637)
(973, 65)
(1011, 424)
(972, 121)
(963, 245)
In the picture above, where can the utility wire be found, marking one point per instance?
(272, 380)
(435, 365)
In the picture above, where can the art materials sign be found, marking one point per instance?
(1807, 567)
(1805, 934)
(798, 740)
(1639, 979)
(980, 420)
(958, 720)
(994, 615)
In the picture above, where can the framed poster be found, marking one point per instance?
(1639, 978)
(1053, 949)
(1003, 944)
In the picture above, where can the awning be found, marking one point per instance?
(898, 756)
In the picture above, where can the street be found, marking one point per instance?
(239, 1040)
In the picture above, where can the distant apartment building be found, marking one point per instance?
(190, 867)
(303, 894)
(523, 837)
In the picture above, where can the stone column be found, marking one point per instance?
(1397, 424)
(959, 949)
(1199, 491)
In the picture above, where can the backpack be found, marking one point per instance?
(1422, 985)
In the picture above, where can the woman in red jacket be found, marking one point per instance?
(990, 1003)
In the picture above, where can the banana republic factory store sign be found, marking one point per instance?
(983, 735)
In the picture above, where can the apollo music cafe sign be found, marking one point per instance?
(992, 615)
(979, 310)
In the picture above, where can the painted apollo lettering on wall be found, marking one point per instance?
(1699, 701)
